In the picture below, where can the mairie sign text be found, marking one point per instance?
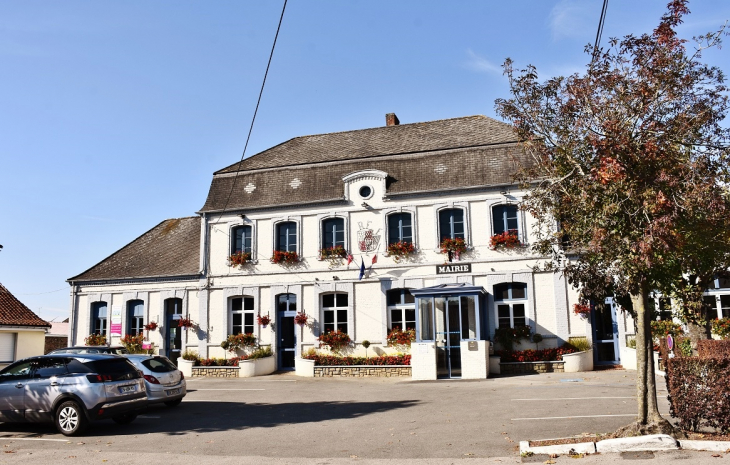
(450, 269)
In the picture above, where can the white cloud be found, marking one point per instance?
(481, 64)
(574, 19)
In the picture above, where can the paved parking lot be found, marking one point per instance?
(283, 417)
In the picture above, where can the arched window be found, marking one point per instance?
(401, 309)
(242, 315)
(334, 312)
(400, 228)
(511, 302)
(451, 224)
(333, 233)
(286, 236)
(241, 239)
(99, 318)
(504, 219)
(135, 317)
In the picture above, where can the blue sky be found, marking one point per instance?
(114, 115)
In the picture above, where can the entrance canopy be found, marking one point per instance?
(447, 315)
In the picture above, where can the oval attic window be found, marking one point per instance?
(366, 192)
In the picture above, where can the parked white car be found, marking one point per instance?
(164, 382)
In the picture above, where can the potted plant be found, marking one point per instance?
(582, 309)
(151, 326)
(401, 339)
(133, 343)
(301, 318)
(236, 342)
(366, 344)
(185, 323)
(335, 340)
(400, 250)
(334, 255)
(263, 320)
(95, 340)
(239, 259)
(284, 258)
(505, 240)
(188, 359)
(453, 247)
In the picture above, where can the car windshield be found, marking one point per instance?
(159, 365)
(118, 368)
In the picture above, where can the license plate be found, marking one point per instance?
(173, 392)
(127, 388)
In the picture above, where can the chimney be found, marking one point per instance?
(391, 120)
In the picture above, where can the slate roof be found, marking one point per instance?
(467, 131)
(170, 249)
(14, 313)
(459, 153)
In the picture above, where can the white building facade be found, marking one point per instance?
(356, 191)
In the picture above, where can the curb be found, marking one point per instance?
(653, 442)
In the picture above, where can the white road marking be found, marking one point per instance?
(574, 398)
(10, 438)
(575, 416)
(230, 389)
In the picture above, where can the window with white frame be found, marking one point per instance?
(135, 316)
(334, 312)
(505, 219)
(510, 300)
(451, 224)
(99, 318)
(242, 239)
(242, 315)
(286, 236)
(400, 228)
(333, 233)
(717, 306)
(401, 309)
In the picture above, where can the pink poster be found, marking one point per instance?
(116, 328)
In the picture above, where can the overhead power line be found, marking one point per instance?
(255, 112)
(599, 32)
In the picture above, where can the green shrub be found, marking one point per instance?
(190, 355)
(580, 344)
(507, 337)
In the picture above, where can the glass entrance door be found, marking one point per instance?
(173, 333)
(605, 333)
(448, 337)
(285, 328)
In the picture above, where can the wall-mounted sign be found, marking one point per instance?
(453, 269)
(115, 328)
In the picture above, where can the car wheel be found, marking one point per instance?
(70, 419)
(125, 419)
(173, 403)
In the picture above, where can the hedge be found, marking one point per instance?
(332, 360)
(542, 355)
(699, 392)
(711, 348)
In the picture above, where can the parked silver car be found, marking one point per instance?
(164, 382)
(71, 390)
(118, 350)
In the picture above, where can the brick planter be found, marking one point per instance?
(362, 371)
(518, 368)
(215, 372)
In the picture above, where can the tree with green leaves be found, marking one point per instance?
(629, 175)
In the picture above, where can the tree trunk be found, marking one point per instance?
(649, 420)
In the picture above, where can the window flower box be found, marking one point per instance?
(335, 340)
(454, 247)
(284, 258)
(239, 259)
(401, 339)
(505, 240)
(151, 326)
(333, 254)
(400, 250)
(95, 340)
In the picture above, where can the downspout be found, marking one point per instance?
(72, 325)
(204, 254)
